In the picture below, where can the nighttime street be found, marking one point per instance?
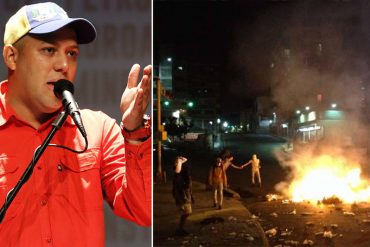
(284, 222)
(200, 159)
(285, 80)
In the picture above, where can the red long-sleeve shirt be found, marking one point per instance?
(62, 203)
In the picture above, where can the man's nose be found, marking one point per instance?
(61, 63)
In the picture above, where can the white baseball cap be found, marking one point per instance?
(42, 18)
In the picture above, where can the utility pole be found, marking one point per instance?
(161, 177)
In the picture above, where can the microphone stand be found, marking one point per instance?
(57, 124)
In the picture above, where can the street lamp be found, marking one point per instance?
(166, 103)
(176, 114)
(190, 104)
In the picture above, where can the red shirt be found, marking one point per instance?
(62, 203)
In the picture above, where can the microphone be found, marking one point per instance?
(64, 89)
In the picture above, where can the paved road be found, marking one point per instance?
(296, 224)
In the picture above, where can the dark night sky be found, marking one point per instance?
(205, 29)
(247, 37)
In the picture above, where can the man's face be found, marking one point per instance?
(42, 61)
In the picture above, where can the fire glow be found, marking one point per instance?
(326, 177)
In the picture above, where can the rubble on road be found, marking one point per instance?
(308, 242)
(271, 233)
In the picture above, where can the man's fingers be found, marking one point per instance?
(146, 86)
(138, 105)
(148, 71)
(133, 76)
(147, 77)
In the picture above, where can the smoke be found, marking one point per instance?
(314, 54)
(296, 51)
(334, 66)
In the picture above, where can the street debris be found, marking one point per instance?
(310, 223)
(366, 221)
(251, 222)
(274, 214)
(334, 226)
(294, 212)
(271, 233)
(232, 218)
(306, 214)
(291, 243)
(328, 234)
(308, 242)
(286, 233)
(250, 238)
(254, 216)
(273, 197)
(348, 213)
(185, 242)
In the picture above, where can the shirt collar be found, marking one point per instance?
(6, 111)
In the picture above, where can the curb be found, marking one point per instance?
(231, 226)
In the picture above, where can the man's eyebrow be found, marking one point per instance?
(74, 46)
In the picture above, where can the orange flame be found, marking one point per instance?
(327, 176)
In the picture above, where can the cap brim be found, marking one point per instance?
(85, 30)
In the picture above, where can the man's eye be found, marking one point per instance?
(49, 50)
(73, 53)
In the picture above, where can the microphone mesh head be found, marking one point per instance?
(62, 85)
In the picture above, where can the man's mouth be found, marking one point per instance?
(51, 85)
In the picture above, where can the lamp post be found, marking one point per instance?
(160, 174)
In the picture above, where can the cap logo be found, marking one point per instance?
(46, 12)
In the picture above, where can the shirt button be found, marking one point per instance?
(39, 167)
(48, 240)
(44, 202)
(60, 167)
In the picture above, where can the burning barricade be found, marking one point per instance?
(326, 179)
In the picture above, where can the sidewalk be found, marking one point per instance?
(231, 226)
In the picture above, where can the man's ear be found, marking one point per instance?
(10, 55)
